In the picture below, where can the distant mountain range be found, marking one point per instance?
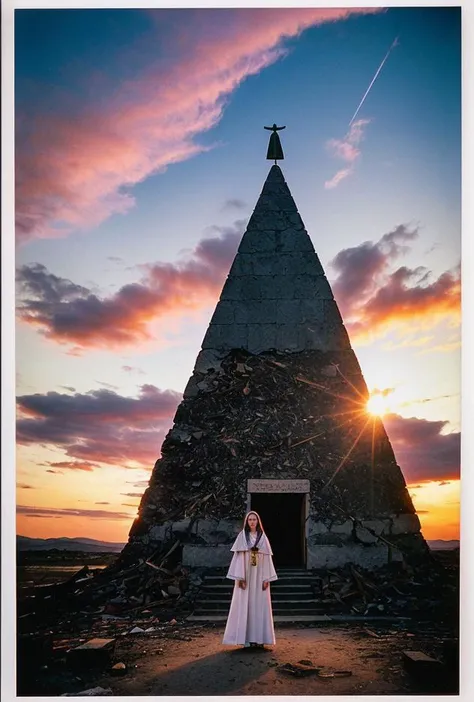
(437, 544)
(79, 543)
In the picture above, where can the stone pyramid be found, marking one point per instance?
(273, 418)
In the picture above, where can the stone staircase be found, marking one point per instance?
(293, 598)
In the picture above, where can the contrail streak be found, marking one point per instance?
(393, 45)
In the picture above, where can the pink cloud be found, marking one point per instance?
(347, 150)
(423, 452)
(337, 177)
(74, 172)
(343, 149)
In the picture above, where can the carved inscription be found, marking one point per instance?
(257, 485)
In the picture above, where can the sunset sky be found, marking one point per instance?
(140, 154)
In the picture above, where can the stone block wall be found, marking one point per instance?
(207, 542)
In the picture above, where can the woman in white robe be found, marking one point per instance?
(250, 620)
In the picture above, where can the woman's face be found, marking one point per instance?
(252, 521)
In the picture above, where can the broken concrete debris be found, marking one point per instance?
(118, 669)
(306, 668)
(297, 669)
(424, 669)
(91, 692)
(95, 652)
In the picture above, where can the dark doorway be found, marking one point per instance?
(283, 520)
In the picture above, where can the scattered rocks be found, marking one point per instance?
(92, 692)
(298, 670)
(118, 669)
(93, 653)
(334, 673)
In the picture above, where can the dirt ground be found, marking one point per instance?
(202, 666)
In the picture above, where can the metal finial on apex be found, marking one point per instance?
(275, 152)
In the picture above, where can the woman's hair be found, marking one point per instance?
(247, 528)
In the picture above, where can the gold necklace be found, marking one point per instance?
(253, 555)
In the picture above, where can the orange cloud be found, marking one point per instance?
(99, 426)
(374, 298)
(401, 302)
(71, 314)
(58, 513)
(72, 465)
(74, 171)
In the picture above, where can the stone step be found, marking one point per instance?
(276, 597)
(283, 587)
(280, 574)
(277, 611)
(275, 602)
(223, 571)
(276, 584)
(278, 618)
(284, 580)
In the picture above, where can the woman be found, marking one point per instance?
(250, 620)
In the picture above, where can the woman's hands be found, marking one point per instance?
(243, 585)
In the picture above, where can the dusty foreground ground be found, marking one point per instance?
(202, 666)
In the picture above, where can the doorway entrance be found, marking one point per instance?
(283, 518)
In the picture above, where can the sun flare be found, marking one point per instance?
(377, 405)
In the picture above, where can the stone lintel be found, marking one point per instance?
(260, 485)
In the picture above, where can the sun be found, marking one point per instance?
(377, 405)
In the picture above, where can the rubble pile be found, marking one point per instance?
(271, 415)
(111, 592)
(429, 592)
(68, 628)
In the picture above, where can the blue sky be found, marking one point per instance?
(100, 119)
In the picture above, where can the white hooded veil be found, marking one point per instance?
(263, 544)
(250, 616)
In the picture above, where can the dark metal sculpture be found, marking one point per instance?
(275, 152)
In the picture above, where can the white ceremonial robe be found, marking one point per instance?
(250, 616)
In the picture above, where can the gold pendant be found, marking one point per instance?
(253, 558)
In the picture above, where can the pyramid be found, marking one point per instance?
(273, 418)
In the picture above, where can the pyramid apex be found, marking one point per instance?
(275, 174)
